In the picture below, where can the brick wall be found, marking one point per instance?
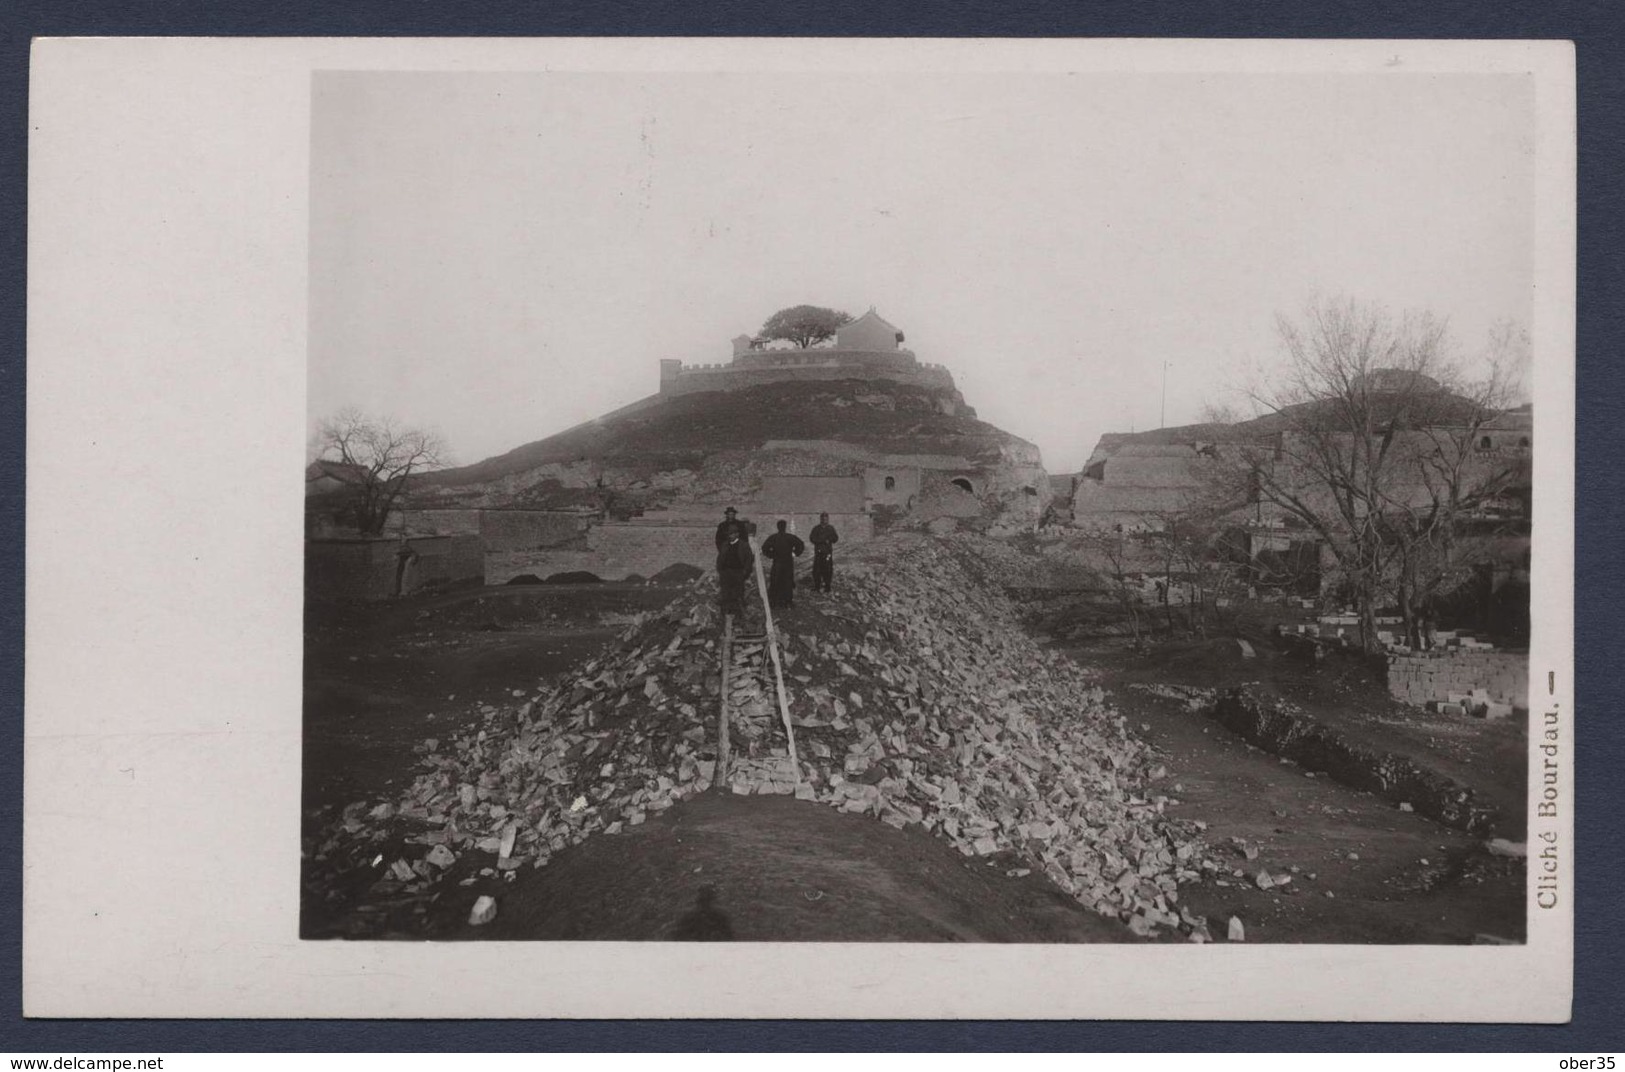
(1418, 678)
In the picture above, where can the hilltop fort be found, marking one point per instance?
(868, 348)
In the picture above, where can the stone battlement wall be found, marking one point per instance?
(1419, 678)
(756, 369)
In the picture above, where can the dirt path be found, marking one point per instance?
(1362, 870)
(380, 679)
(1348, 696)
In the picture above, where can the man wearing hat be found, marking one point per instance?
(734, 561)
(731, 519)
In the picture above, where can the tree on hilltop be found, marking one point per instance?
(373, 457)
(804, 325)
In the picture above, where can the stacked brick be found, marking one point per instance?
(1467, 682)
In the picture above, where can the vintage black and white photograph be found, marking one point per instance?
(932, 508)
(801, 528)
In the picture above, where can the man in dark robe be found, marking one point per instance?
(734, 562)
(782, 548)
(823, 537)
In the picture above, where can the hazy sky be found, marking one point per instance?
(503, 255)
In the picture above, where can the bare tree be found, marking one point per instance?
(1440, 515)
(1368, 442)
(373, 457)
(1199, 551)
(1114, 548)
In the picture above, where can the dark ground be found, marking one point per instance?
(1346, 691)
(1409, 879)
(380, 679)
(756, 868)
(771, 868)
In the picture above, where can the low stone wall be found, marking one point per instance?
(614, 552)
(367, 569)
(1420, 678)
(433, 522)
(648, 549)
(501, 530)
(443, 560)
(617, 551)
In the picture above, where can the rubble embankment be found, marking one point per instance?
(916, 697)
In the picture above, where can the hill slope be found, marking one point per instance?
(691, 453)
(878, 414)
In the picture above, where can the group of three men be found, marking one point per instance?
(782, 548)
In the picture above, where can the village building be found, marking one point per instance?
(1141, 484)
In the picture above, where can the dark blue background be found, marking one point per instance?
(1600, 909)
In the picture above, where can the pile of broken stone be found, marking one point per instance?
(915, 696)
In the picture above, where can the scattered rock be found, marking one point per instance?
(484, 911)
(934, 709)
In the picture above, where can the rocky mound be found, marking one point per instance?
(915, 696)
